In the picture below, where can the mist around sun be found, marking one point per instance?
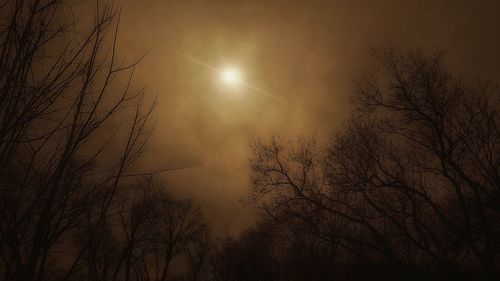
(309, 56)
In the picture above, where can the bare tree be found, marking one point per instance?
(412, 181)
(178, 225)
(151, 230)
(444, 139)
(57, 104)
(198, 253)
(138, 212)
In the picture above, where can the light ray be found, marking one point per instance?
(239, 81)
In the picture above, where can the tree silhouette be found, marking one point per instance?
(412, 182)
(57, 105)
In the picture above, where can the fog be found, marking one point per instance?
(304, 54)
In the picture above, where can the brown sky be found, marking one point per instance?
(305, 52)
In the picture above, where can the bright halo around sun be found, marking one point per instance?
(230, 76)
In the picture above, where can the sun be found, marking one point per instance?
(230, 75)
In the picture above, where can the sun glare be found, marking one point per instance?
(230, 76)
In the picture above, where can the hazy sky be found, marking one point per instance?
(306, 53)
